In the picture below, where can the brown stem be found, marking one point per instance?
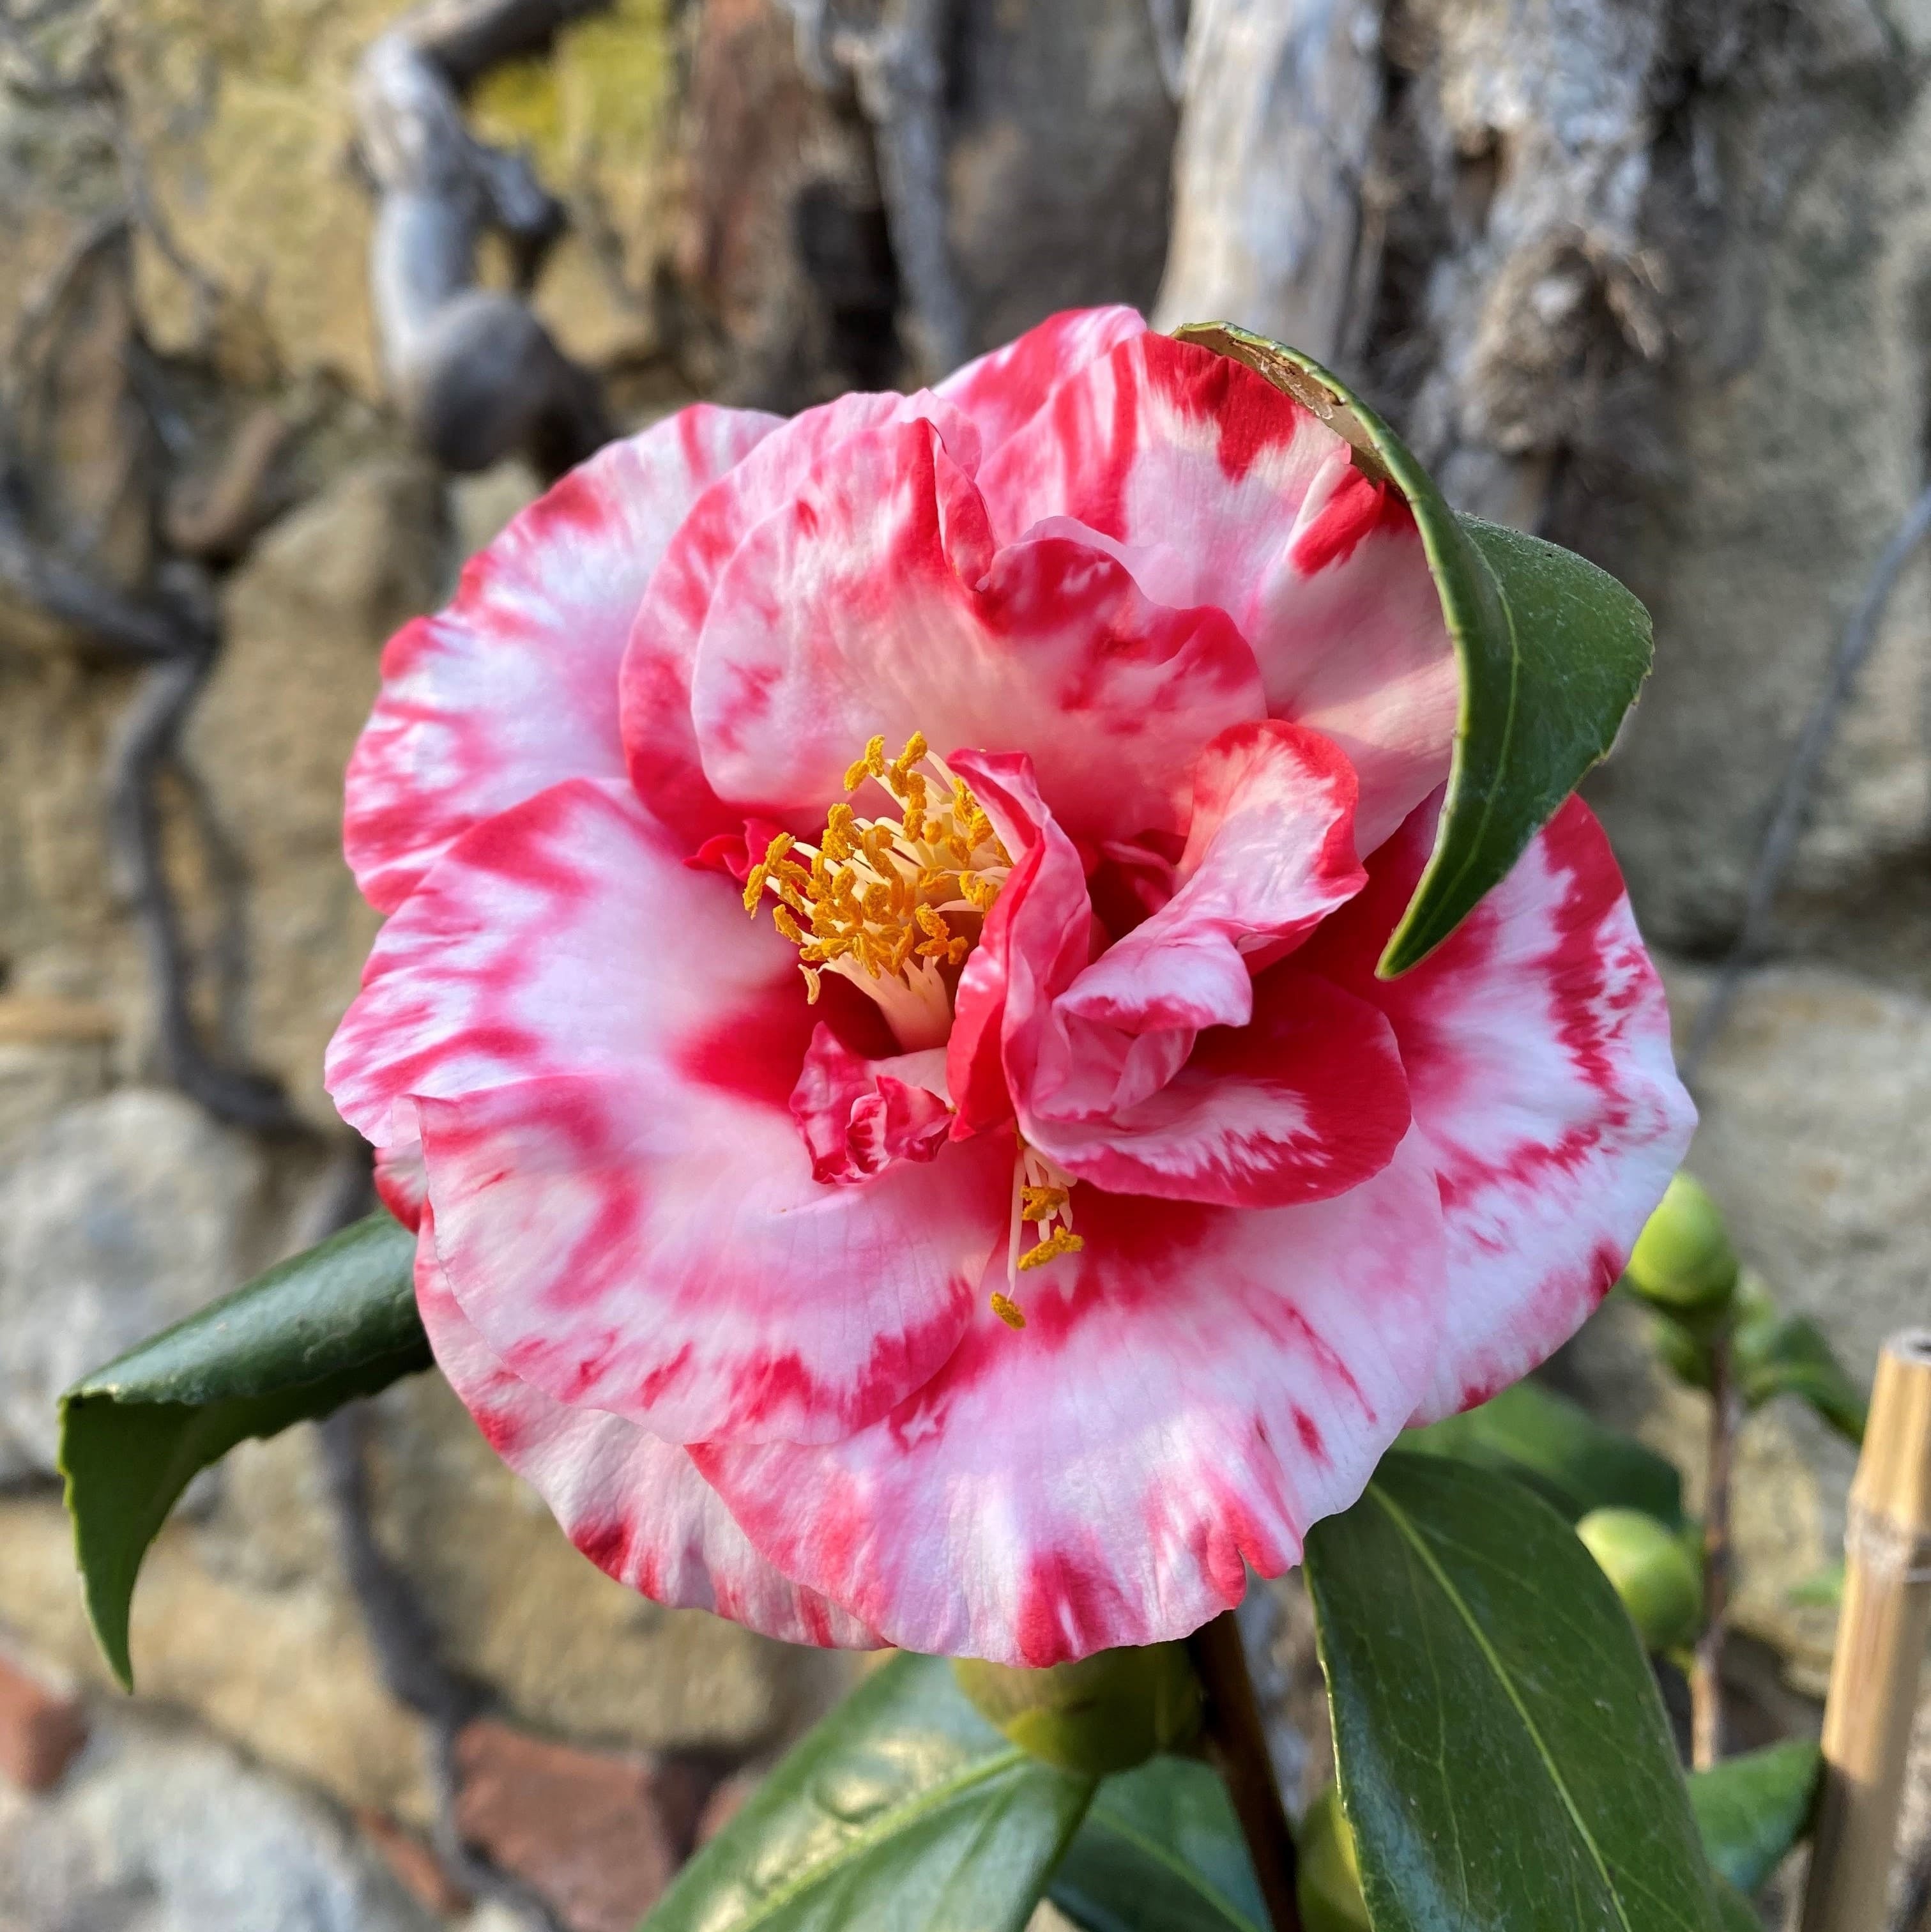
(1706, 1675)
(1237, 1746)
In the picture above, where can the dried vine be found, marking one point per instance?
(894, 62)
(171, 629)
(475, 373)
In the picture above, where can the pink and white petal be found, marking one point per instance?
(513, 687)
(1307, 1102)
(1214, 486)
(628, 1211)
(874, 602)
(1002, 390)
(660, 743)
(858, 1116)
(1536, 1043)
(634, 1504)
(1190, 1394)
(680, 1265)
(1041, 930)
(1269, 854)
(401, 1186)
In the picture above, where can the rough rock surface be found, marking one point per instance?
(308, 615)
(156, 1829)
(119, 1217)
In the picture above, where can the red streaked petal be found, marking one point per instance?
(600, 1049)
(1190, 1393)
(1536, 1043)
(1215, 487)
(679, 1265)
(513, 687)
(859, 1116)
(873, 602)
(1270, 853)
(660, 745)
(1305, 1103)
(631, 1502)
(1001, 390)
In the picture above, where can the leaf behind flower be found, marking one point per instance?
(903, 1811)
(1552, 653)
(314, 1332)
(1504, 1756)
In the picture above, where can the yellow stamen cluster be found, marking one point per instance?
(1041, 1198)
(892, 903)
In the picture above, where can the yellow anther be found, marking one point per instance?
(868, 903)
(840, 824)
(915, 748)
(1063, 1243)
(1038, 1204)
(814, 983)
(1008, 1310)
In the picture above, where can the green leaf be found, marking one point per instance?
(903, 1811)
(1822, 1590)
(1503, 1757)
(1734, 1912)
(1789, 1355)
(1161, 1851)
(1752, 1808)
(1553, 652)
(1571, 1460)
(336, 1322)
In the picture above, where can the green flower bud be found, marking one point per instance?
(1652, 1571)
(1683, 1259)
(1106, 1713)
(1327, 1882)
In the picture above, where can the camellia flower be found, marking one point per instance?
(879, 1026)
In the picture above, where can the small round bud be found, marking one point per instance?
(1652, 1571)
(1327, 1880)
(1106, 1713)
(1683, 1260)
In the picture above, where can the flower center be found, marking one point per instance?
(894, 904)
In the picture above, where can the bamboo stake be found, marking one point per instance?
(1881, 1635)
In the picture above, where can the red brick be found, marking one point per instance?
(725, 1803)
(586, 1829)
(40, 1728)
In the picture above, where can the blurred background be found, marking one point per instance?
(1652, 278)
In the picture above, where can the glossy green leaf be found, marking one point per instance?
(1574, 1462)
(1504, 1756)
(334, 1323)
(903, 1811)
(1553, 652)
(1160, 1851)
(1751, 1809)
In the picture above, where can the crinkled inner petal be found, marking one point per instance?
(873, 601)
(1215, 487)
